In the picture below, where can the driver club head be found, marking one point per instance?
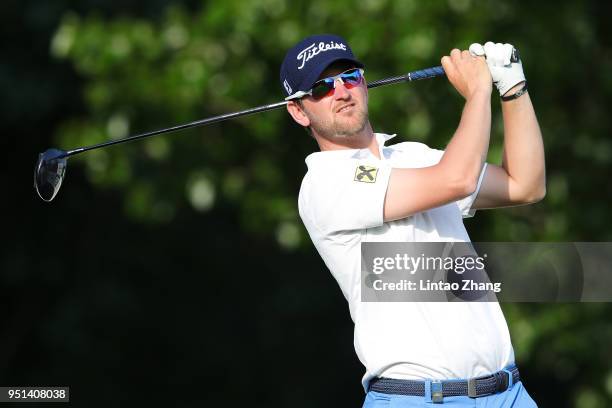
(49, 173)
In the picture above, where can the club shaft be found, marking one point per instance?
(411, 76)
(196, 123)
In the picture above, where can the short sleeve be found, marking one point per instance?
(465, 204)
(346, 196)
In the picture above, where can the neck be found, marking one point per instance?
(363, 140)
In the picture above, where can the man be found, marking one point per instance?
(358, 190)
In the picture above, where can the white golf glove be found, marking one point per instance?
(504, 72)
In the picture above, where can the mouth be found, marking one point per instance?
(345, 108)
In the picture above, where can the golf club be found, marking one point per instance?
(50, 168)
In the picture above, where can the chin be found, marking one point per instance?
(351, 128)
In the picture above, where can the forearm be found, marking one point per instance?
(523, 157)
(467, 150)
(413, 190)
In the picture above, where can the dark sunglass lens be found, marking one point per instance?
(322, 89)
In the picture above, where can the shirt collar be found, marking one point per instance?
(316, 158)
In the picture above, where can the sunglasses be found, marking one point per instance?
(326, 86)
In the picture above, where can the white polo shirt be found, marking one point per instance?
(407, 340)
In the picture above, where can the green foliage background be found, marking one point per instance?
(181, 260)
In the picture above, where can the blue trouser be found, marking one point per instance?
(516, 396)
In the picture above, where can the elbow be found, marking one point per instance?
(537, 195)
(541, 193)
(462, 178)
(464, 186)
(538, 192)
(470, 187)
(534, 195)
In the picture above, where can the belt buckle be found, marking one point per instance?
(472, 388)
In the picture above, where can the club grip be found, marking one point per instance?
(426, 73)
(411, 76)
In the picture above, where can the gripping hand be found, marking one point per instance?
(504, 64)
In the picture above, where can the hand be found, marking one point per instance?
(467, 73)
(506, 74)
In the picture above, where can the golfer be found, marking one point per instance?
(359, 188)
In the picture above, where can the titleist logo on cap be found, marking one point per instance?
(312, 50)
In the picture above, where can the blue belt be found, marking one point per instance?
(438, 389)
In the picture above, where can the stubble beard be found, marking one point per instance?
(340, 127)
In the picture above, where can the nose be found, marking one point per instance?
(340, 91)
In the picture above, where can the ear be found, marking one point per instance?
(298, 114)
